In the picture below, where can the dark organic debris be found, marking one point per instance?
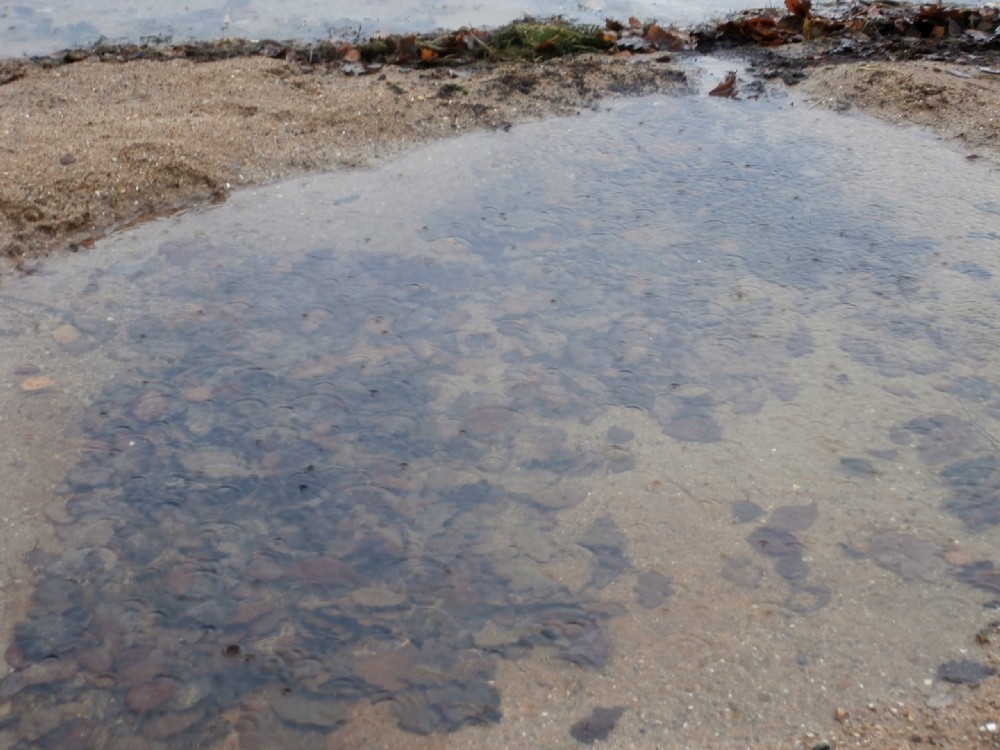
(231, 500)
(597, 726)
(692, 421)
(975, 490)
(775, 542)
(619, 435)
(746, 512)
(859, 467)
(446, 707)
(610, 549)
(981, 574)
(526, 38)
(938, 438)
(653, 588)
(785, 546)
(904, 553)
(964, 672)
(808, 597)
(881, 26)
(794, 517)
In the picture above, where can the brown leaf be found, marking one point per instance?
(763, 30)
(406, 51)
(665, 39)
(799, 8)
(726, 88)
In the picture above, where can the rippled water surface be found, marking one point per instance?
(676, 423)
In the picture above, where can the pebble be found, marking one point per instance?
(170, 724)
(940, 700)
(65, 334)
(296, 708)
(964, 672)
(597, 726)
(37, 383)
(151, 695)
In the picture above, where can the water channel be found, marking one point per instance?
(675, 423)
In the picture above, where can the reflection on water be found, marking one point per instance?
(680, 400)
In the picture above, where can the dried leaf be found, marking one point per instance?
(726, 88)
(665, 39)
(799, 8)
(406, 51)
(763, 30)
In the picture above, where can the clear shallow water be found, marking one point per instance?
(680, 412)
(43, 27)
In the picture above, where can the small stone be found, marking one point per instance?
(653, 588)
(376, 597)
(840, 715)
(37, 383)
(958, 556)
(990, 726)
(940, 700)
(170, 724)
(15, 658)
(295, 707)
(597, 726)
(964, 672)
(65, 334)
(150, 695)
(198, 394)
(50, 670)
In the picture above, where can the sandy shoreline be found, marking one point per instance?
(94, 146)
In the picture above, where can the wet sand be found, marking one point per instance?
(93, 146)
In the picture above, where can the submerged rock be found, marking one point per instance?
(597, 726)
(964, 672)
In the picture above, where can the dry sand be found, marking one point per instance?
(93, 146)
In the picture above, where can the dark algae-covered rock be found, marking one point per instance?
(597, 726)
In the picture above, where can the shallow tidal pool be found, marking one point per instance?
(670, 425)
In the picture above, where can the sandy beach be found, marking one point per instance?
(102, 143)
